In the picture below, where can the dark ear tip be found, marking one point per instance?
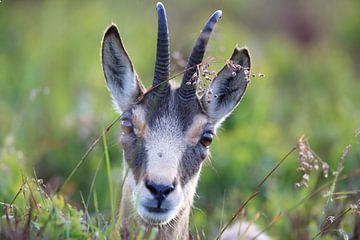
(241, 55)
(112, 29)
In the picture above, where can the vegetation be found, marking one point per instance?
(54, 105)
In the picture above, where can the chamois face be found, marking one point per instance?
(164, 142)
(166, 132)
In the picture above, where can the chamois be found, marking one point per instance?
(167, 131)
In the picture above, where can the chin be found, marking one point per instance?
(156, 217)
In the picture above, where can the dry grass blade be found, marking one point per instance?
(275, 219)
(254, 193)
(251, 223)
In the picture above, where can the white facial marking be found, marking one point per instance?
(164, 146)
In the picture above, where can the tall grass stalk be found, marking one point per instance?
(90, 149)
(96, 206)
(330, 193)
(93, 182)
(108, 172)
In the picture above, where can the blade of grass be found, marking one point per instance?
(96, 206)
(88, 219)
(90, 149)
(93, 182)
(339, 168)
(108, 172)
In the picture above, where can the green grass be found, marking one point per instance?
(108, 172)
(54, 104)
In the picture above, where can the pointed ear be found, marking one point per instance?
(228, 87)
(121, 79)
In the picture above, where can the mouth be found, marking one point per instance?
(156, 215)
(156, 209)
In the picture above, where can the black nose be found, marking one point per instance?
(159, 191)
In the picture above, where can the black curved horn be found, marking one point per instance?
(187, 91)
(162, 65)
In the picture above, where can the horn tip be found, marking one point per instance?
(159, 6)
(218, 14)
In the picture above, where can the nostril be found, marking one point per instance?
(151, 187)
(159, 190)
(168, 190)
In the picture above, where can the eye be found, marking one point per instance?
(126, 125)
(206, 138)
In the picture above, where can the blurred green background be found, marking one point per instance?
(54, 102)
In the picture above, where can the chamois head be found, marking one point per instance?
(166, 132)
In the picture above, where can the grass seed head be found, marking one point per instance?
(308, 162)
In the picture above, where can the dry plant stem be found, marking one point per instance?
(339, 168)
(17, 194)
(39, 186)
(327, 226)
(257, 215)
(31, 194)
(8, 218)
(26, 232)
(322, 187)
(276, 218)
(87, 215)
(254, 193)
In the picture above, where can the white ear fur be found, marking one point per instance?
(227, 89)
(121, 78)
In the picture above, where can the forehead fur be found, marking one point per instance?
(171, 106)
(164, 145)
(167, 127)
